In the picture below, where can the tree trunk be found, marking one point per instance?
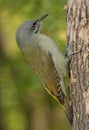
(78, 38)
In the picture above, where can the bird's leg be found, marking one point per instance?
(69, 56)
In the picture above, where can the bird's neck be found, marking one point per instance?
(31, 40)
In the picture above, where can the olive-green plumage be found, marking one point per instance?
(44, 57)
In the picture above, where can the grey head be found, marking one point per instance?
(27, 29)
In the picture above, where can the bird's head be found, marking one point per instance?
(28, 28)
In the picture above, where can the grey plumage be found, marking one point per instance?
(44, 57)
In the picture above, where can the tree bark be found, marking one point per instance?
(78, 38)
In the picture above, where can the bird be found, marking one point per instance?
(45, 59)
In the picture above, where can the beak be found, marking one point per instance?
(43, 17)
(40, 19)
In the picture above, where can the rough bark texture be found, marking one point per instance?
(77, 38)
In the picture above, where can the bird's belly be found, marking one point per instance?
(42, 66)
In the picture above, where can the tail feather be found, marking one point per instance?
(68, 111)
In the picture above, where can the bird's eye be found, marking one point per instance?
(33, 27)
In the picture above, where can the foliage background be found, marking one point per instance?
(24, 104)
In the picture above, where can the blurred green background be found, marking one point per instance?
(24, 104)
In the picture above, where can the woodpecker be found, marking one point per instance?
(45, 59)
